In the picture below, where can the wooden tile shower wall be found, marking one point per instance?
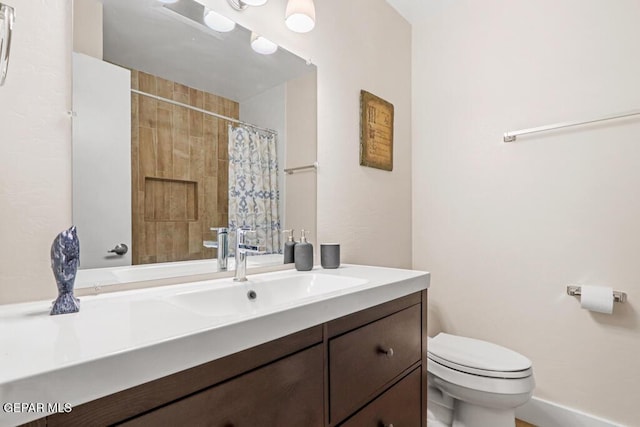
(179, 170)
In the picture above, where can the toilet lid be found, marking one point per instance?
(477, 357)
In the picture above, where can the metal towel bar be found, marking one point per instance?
(290, 171)
(511, 136)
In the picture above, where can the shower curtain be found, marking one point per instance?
(253, 186)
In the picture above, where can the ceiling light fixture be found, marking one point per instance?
(217, 22)
(262, 45)
(242, 4)
(254, 2)
(300, 15)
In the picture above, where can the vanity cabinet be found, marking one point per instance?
(362, 361)
(284, 393)
(398, 406)
(364, 369)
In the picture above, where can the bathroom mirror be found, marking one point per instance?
(156, 96)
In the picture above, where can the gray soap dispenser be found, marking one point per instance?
(289, 246)
(303, 253)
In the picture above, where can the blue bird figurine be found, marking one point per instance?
(65, 258)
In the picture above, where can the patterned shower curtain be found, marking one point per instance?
(253, 186)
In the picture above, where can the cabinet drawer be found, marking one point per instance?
(359, 366)
(399, 406)
(288, 392)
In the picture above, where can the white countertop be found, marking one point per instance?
(123, 339)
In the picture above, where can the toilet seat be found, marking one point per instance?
(477, 357)
(480, 372)
(506, 386)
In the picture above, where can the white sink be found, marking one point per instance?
(259, 295)
(87, 278)
(148, 333)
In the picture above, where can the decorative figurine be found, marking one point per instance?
(65, 257)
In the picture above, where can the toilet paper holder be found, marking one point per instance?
(574, 290)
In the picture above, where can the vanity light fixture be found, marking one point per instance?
(217, 22)
(300, 15)
(262, 45)
(7, 19)
(254, 2)
(242, 4)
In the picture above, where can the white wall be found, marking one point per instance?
(35, 134)
(360, 44)
(503, 228)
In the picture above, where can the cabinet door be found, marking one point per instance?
(398, 407)
(285, 393)
(364, 360)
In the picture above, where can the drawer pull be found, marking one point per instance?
(388, 351)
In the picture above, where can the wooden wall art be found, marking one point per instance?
(376, 132)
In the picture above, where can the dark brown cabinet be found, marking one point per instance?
(398, 407)
(285, 393)
(364, 360)
(364, 369)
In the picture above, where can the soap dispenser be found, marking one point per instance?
(289, 246)
(303, 253)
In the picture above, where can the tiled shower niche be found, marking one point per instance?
(179, 170)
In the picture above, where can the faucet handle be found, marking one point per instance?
(253, 249)
(246, 247)
(220, 230)
(242, 231)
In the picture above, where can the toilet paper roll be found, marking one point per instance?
(597, 298)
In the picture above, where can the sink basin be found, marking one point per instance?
(257, 295)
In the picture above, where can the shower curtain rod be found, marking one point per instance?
(200, 110)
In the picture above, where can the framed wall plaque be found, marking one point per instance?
(376, 132)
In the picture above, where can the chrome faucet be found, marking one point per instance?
(242, 249)
(223, 247)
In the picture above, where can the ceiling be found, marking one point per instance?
(146, 35)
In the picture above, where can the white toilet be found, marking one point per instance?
(473, 383)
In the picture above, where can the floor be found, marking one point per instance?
(523, 424)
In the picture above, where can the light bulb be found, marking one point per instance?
(262, 45)
(300, 15)
(217, 22)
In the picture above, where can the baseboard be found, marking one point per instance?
(543, 413)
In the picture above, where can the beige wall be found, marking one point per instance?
(301, 196)
(87, 27)
(35, 135)
(503, 228)
(360, 44)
